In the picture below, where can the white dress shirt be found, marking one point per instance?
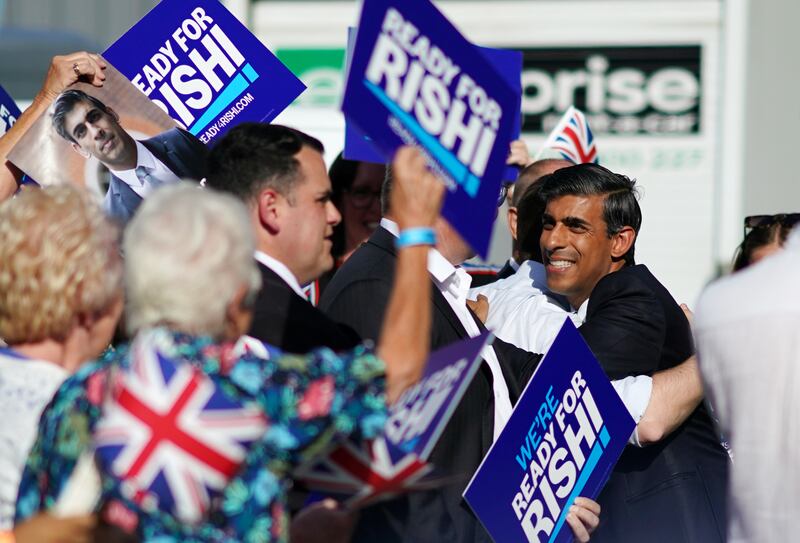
(453, 282)
(157, 169)
(282, 271)
(748, 342)
(520, 310)
(26, 387)
(524, 313)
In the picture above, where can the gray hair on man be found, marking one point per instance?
(187, 253)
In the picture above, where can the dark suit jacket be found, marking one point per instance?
(289, 322)
(181, 152)
(673, 490)
(358, 295)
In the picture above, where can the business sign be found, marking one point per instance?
(321, 70)
(415, 80)
(564, 436)
(9, 112)
(198, 63)
(395, 462)
(622, 90)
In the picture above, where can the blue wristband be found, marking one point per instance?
(415, 236)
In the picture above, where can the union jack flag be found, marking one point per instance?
(363, 473)
(572, 138)
(170, 435)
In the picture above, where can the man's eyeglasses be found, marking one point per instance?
(362, 198)
(787, 220)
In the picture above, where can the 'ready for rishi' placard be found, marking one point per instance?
(415, 80)
(202, 66)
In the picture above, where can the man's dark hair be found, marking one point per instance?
(530, 209)
(64, 104)
(757, 238)
(253, 156)
(620, 207)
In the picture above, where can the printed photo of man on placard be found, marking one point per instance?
(136, 167)
(112, 140)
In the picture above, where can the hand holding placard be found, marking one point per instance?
(564, 437)
(416, 194)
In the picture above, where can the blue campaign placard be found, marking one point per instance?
(197, 62)
(415, 80)
(567, 431)
(396, 461)
(358, 146)
(508, 64)
(9, 112)
(418, 417)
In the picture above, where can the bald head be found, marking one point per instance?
(533, 172)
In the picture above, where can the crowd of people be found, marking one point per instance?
(193, 297)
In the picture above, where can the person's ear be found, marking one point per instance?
(77, 148)
(512, 216)
(270, 205)
(622, 241)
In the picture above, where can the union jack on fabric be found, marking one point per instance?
(572, 138)
(171, 435)
(364, 473)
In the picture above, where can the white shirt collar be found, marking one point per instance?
(143, 158)
(513, 263)
(582, 310)
(283, 272)
(438, 266)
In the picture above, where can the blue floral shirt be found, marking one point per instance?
(252, 506)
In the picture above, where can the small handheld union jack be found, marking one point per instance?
(364, 473)
(170, 436)
(572, 138)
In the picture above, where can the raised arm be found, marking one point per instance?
(405, 337)
(676, 393)
(64, 71)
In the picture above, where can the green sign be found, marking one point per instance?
(322, 70)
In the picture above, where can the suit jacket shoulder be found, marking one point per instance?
(289, 322)
(678, 340)
(181, 152)
(359, 291)
(625, 325)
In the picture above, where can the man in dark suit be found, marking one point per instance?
(137, 167)
(357, 295)
(279, 173)
(673, 490)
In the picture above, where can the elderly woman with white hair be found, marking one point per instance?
(60, 300)
(195, 437)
